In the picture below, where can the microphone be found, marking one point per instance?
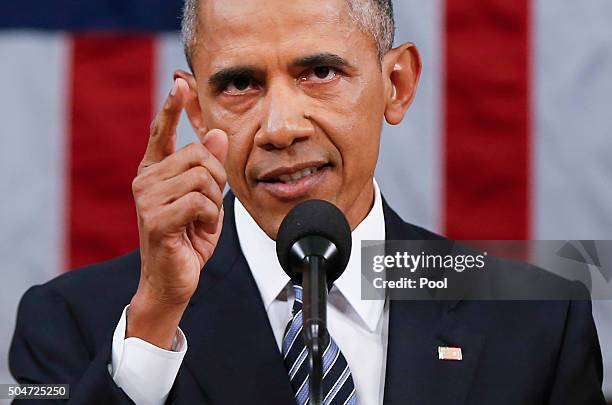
(313, 247)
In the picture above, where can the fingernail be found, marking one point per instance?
(174, 88)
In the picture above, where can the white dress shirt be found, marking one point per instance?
(146, 373)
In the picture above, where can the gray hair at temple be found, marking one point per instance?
(374, 17)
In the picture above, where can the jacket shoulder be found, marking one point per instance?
(398, 229)
(114, 276)
(89, 299)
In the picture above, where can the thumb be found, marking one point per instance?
(217, 143)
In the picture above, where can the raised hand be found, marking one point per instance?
(179, 201)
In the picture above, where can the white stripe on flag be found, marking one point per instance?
(33, 77)
(573, 132)
(410, 166)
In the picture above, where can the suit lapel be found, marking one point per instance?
(233, 354)
(414, 374)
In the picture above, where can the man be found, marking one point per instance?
(288, 99)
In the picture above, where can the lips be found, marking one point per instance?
(296, 176)
(292, 174)
(298, 181)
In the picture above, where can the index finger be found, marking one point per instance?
(162, 137)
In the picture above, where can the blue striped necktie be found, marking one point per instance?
(338, 387)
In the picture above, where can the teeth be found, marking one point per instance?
(292, 178)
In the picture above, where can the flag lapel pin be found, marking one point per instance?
(449, 353)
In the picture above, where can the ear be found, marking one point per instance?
(402, 69)
(192, 106)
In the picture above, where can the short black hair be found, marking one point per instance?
(375, 17)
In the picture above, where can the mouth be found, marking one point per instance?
(294, 182)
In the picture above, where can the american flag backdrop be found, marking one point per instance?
(510, 136)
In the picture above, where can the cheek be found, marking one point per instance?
(353, 122)
(237, 157)
(240, 129)
(229, 120)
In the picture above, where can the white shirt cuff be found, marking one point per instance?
(145, 372)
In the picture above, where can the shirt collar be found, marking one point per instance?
(260, 253)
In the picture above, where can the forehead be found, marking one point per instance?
(230, 29)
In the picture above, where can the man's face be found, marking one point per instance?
(299, 90)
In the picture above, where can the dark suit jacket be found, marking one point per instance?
(513, 352)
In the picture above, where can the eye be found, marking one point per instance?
(239, 85)
(321, 74)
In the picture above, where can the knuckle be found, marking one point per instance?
(146, 209)
(197, 178)
(216, 195)
(186, 152)
(195, 202)
(150, 223)
(210, 210)
(143, 202)
(190, 147)
(213, 214)
(137, 186)
(223, 176)
(142, 182)
(140, 206)
(190, 179)
(199, 153)
(204, 208)
(154, 127)
(202, 175)
(194, 153)
(167, 108)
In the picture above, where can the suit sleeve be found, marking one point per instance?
(579, 371)
(48, 347)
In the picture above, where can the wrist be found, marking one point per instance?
(153, 319)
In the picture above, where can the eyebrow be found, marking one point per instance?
(227, 75)
(321, 59)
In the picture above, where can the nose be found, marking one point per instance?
(284, 120)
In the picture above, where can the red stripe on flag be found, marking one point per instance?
(487, 119)
(111, 107)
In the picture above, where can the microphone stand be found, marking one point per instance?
(314, 307)
(316, 251)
